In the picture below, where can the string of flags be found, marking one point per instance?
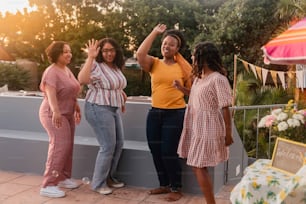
(262, 74)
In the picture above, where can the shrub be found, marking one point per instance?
(138, 82)
(14, 77)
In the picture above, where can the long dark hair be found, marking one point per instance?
(206, 53)
(119, 59)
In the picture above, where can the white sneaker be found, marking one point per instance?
(114, 183)
(52, 191)
(104, 190)
(68, 183)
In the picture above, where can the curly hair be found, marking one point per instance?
(207, 54)
(119, 58)
(54, 50)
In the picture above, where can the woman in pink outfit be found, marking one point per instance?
(207, 130)
(58, 114)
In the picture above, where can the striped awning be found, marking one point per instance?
(289, 47)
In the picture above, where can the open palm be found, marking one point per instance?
(160, 28)
(92, 48)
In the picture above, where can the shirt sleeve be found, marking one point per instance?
(95, 74)
(224, 92)
(50, 78)
(155, 64)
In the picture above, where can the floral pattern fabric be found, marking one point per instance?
(263, 184)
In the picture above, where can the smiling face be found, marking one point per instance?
(169, 47)
(65, 57)
(108, 53)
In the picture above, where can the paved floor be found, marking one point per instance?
(17, 188)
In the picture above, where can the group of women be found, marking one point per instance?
(199, 132)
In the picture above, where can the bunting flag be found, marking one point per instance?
(281, 76)
(258, 71)
(264, 76)
(290, 74)
(300, 82)
(301, 76)
(246, 65)
(274, 77)
(252, 66)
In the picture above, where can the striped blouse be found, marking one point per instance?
(106, 86)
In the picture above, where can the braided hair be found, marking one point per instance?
(207, 54)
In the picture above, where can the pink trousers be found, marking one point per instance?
(59, 160)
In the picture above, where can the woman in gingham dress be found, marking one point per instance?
(207, 130)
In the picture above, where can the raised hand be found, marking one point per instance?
(160, 28)
(92, 48)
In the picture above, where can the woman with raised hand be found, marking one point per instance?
(170, 82)
(102, 72)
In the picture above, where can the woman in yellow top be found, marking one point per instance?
(170, 81)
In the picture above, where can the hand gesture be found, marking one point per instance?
(160, 28)
(228, 139)
(77, 114)
(92, 48)
(177, 84)
(124, 100)
(57, 119)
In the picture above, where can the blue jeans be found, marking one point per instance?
(164, 127)
(107, 125)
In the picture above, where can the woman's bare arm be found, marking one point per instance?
(144, 59)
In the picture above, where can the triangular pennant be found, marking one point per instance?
(264, 76)
(252, 66)
(274, 77)
(299, 79)
(246, 65)
(281, 76)
(258, 70)
(290, 74)
(302, 76)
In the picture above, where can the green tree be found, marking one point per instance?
(290, 9)
(241, 27)
(142, 15)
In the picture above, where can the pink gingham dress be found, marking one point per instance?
(203, 137)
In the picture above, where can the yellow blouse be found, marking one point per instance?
(164, 94)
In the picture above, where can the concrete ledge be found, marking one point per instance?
(26, 152)
(78, 140)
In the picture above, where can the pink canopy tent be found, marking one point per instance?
(289, 47)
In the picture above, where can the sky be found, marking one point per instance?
(13, 5)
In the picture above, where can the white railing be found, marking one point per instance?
(259, 109)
